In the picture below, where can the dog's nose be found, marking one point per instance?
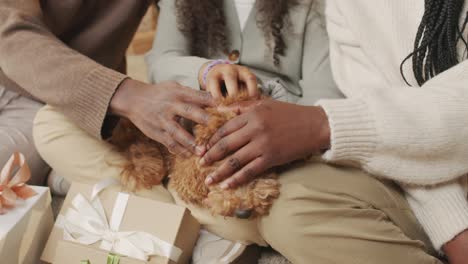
(243, 213)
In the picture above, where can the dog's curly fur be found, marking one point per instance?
(149, 162)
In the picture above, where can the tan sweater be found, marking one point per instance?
(70, 54)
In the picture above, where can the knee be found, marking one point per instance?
(49, 130)
(49, 127)
(314, 194)
(292, 226)
(42, 126)
(291, 213)
(342, 186)
(71, 151)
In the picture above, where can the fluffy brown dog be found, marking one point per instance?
(148, 163)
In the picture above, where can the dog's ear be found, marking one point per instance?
(124, 134)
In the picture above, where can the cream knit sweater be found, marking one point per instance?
(417, 136)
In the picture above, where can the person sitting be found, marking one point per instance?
(70, 55)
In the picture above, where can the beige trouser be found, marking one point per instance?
(16, 120)
(325, 214)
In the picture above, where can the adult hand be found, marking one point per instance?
(266, 134)
(234, 77)
(155, 110)
(457, 249)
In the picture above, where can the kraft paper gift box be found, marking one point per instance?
(25, 228)
(69, 252)
(136, 229)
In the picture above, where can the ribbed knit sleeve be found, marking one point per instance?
(91, 99)
(32, 57)
(417, 136)
(353, 131)
(442, 211)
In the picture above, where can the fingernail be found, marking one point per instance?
(202, 162)
(224, 186)
(209, 180)
(199, 150)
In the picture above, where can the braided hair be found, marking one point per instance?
(203, 23)
(435, 46)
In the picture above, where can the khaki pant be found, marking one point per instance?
(16, 122)
(325, 214)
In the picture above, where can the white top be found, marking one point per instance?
(244, 7)
(413, 135)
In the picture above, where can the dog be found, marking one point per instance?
(149, 163)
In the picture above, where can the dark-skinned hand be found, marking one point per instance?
(156, 109)
(266, 134)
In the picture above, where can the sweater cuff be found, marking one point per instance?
(352, 131)
(442, 211)
(93, 97)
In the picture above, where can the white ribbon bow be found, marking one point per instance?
(86, 223)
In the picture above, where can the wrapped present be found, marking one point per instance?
(69, 252)
(26, 219)
(98, 223)
(14, 188)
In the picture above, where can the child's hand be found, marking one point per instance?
(234, 77)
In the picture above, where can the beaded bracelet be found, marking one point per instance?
(211, 66)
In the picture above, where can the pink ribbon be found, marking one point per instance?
(13, 188)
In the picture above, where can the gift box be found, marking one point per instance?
(69, 252)
(24, 229)
(109, 226)
(25, 214)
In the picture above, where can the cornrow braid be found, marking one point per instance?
(435, 46)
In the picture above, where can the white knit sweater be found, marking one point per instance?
(417, 136)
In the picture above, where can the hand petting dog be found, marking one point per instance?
(148, 163)
(266, 133)
(156, 109)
